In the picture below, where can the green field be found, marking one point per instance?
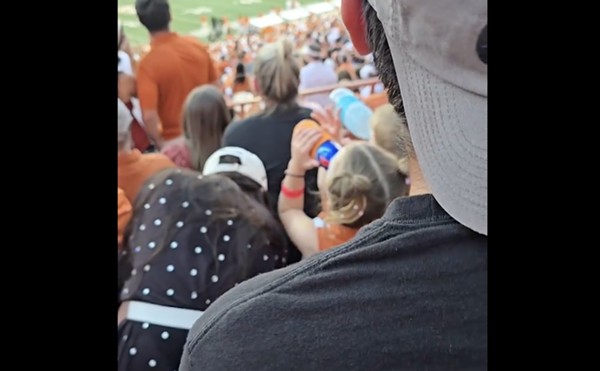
(186, 14)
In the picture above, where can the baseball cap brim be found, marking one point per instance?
(447, 123)
(448, 127)
(250, 165)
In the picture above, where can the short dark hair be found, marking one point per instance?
(382, 56)
(155, 15)
(344, 75)
(250, 188)
(240, 73)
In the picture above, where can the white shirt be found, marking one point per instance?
(137, 111)
(330, 63)
(333, 35)
(124, 63)
(314, 75)
(365, 73)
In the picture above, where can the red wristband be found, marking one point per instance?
(291, 193)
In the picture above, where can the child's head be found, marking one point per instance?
(361, 182)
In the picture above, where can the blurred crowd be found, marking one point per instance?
(239, 158)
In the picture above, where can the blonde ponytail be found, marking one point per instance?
(364, 181)
(277, 72)
(348, 197)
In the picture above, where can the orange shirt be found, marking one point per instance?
(376, 99)
(134, 168)
(238, 87)
(174, 66)
(124, 214)
(332, 235)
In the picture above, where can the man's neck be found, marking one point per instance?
(271, 104)
(418, 185)
(156, 34)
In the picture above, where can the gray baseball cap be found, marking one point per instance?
(441, 66)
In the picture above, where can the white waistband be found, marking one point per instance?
(161, 315)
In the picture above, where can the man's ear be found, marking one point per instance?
(352, 15)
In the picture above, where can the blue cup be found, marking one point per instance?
(326, 152)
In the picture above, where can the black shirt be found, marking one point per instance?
(409, 292)
(269, 137)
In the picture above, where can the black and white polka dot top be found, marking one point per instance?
(191, 239)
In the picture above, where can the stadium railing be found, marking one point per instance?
(239, 106)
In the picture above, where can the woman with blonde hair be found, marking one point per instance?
(268, 133)
(205, 117)
(390, 132)
(362, 180)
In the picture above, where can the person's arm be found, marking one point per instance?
(299, 226)
(126, 87)
(147, 90)
(213, 76)
(152, 124)
(124, 214)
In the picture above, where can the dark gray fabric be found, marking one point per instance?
(409, 292)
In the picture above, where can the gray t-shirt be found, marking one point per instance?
(409, 292)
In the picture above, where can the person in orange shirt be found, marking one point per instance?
(124, 215)
(174, 66)
(134, 168)
(362, 180)
(242, 82)
(238, 81)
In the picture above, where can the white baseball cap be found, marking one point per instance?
(249, 165)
